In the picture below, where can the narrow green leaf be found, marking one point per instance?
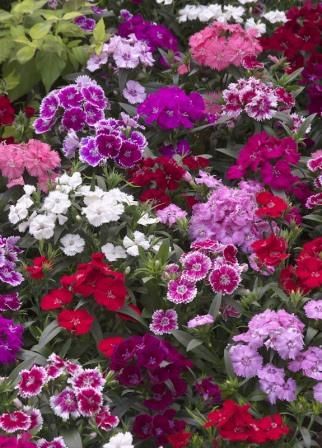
(194, 343)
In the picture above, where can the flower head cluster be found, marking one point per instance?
(314, 164)
(155, 35)
(126, 52)
(235, 423)
(208, 259)
(258, 100)
(147, 359)
(229, 216)
(272, 158)
(171, 108)
(273, 330)
(160, 176)
(306, 274)
(77, 106)
(10, 340)
(9, 252)
(78, 393)
(211, 12)
(93, 279)
(34, 158)
(309, 363)
(220, 45)
(116, 140)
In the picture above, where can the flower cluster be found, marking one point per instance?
(273, 330)
(126, 52)
(155, 35)
(93, 279)
(117, 140)
(78, 105)
(208, 259)
(235, 423)
(220, 45)
(314, 164)
(35, 158)
(161, 176)
(171, 108)
(272, 158)
(75, 393)
(229, 216)
(306, 274)
(9, 252)
(100, 207)
(257, 99)
(269, 252)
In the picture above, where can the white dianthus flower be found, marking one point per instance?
(275, 16)
(57, 202)
(72, 244)
(113, 253)
(132, 245)
(121, 440)
(42, 227)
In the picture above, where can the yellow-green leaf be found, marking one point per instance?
(71, 15)
(25, 54)
(99, 31)
(5, 48)
(5, 16)
(40, 30)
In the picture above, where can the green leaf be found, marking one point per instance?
(194, 343)
(80, 54)
(71, 15)
(50, 67)
(72, 438)
(228, 364)
(5, 16)
(306, 437)
(49, 333)
(40, 30)
(215, 306)
(28, 6)
(99, 32)
(25, 54)
(5, 48)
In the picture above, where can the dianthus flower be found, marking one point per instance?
(219, 45)
(258, 100)
(32, 381)
(164, 322)
(229, 216)
(10, 340)
(271, 158)
(126, 52)
(171, 108)
(270, 251)
(171, 214)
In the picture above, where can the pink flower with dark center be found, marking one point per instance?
(95, 95)
(109, 145)
(181, 290)
(105, 421)
(64, 404)
(32, 381)
(208, 245)
(57, 442)
(74, 118)
(15, 421)
(86, 378)
(164, 322)
(54, 372)
(315, 163)
(130, 154)
(315, 200)
(313, 309)
(224, 279)
(196, 266)
(70, 97)
(89, 401)
(56, 360)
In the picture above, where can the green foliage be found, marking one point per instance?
(41, 45)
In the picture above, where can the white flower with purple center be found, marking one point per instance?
(196, 266)
(181, 290)
(164, 322)
(313, 309)
(64, 404)
(134, 92)
(224, 279)
(199, 321)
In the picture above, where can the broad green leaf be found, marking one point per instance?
(40, 30)
(50, 67)
(5, 16)
(5, 49)
(71, 15)
(25, 54)
(28, 6)
(80, 54)
(99, 32)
